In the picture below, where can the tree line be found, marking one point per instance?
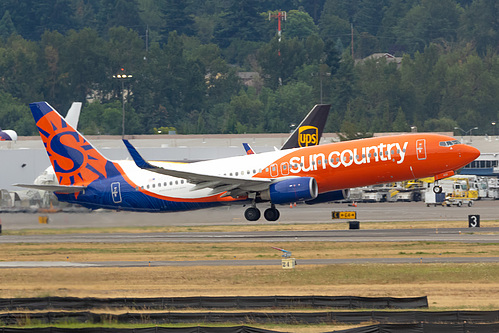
(185, 56)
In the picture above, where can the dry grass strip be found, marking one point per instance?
(448, 286)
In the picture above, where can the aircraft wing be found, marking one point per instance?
(234, 186)
(54, 188)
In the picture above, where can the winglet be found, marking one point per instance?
(141, 163)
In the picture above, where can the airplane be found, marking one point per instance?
(8, 135)
(309, 174)
(308, 133)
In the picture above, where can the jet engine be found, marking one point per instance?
(330, 196)
(291, 190)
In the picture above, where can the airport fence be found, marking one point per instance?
(204, 302)
(380, 328)
(288, 318)
(424, 328)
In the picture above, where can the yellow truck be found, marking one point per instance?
(458, 192)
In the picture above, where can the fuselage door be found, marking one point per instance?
(284, 168)
(274, 170)
(421, 149)
(116, 192)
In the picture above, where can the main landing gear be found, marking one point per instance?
(253, 213)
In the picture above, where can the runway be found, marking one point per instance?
(233, 215)
(229, 216)
(236, 262)
(479, 235)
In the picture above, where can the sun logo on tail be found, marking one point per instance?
(75, 161)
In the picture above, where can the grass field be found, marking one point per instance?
(471, 286)
(81, 252)
(259, 227)
(449, 286)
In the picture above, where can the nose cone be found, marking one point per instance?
(469, 153)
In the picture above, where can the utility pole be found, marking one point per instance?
(147, 38)
(122, 77)
(281, 16)
(351, 33)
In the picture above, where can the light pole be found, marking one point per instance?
(466, 132)
(122, 77)
(494, 127)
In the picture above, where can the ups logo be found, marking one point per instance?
(308, 136)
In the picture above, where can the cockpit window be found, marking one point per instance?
(448, 143)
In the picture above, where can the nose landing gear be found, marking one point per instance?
(437, 189)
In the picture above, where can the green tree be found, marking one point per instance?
(431, 21)
(85, 14)
(115, 13)
(101, 119)
(469, 93)
(379, 95)
(171, 86)
(293, 101)
(400, 124)
(247, 110)
(7, 27)
(439, 125)
(387, 34)
(331, 25)
(31, 18)
(343, 92)
(481, 26)
(300, 24)
(369, 16)
(279, 60)
(16, 115)
(177, 18)
(55, 84)
(125, 49)
(422, 80)
(20, 69)
(85, 60)
(241, 21)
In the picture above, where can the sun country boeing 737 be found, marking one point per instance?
(310, 174)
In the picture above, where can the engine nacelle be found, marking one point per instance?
(330, 196)
(8, 135)
(291, 190)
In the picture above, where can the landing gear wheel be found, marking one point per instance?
(252, 214)
(437, 189)
(271, 214)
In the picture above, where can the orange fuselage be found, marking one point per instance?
(375, 160)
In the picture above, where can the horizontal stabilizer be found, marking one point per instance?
(54, 188)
